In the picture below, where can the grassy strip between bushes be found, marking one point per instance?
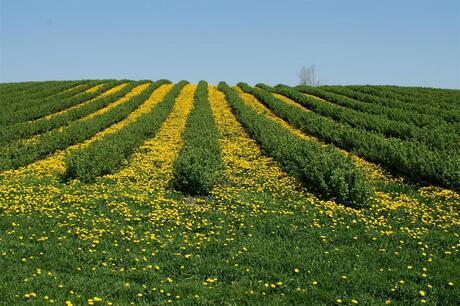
(29, 128)
(17, 155)
(107, 154)
(198, 166)
(412, 159)
(322, 169)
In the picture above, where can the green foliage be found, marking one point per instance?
(74, 88)
(15, 88)
(29, 128)
(419, 115)
(197, 168)
(444, 103)
(325, 170)
(44, 106)
(17, 154)
(412, 159)
(106, 155)
(14, 94)
(341, 110)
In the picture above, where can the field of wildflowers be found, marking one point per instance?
(263, 233)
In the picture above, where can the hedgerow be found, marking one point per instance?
(412, 159)
(429, 103)
(107, 154)
(44, 107)
(15, 88)
(323, 169)
(43, 94)
(20, 130)
(17, 154)
(371, 122)
(395, 110)
(197, 168)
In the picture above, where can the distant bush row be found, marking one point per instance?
(322, 169)
(18, 154)
(370, 121)
(55, 103)
(413, 159)
(419, 114)
(25, 129)
(107, 154)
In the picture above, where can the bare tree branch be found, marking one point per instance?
(307, 76)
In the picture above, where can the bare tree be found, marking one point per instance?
(308, 76)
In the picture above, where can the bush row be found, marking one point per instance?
(397, 110)
(415, 99)
(29, 128)
(43, 108)
(107, 154)
(76, 89)
(18, 100)
(10, 89)
(412, 159)
(371, 122)
(16, 154)
(436, 96)
(322, 169)
(198, 166)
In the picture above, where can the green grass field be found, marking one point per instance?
(119, 192)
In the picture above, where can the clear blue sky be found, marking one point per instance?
(350, 42)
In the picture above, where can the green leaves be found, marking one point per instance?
(106, 155)
(372, 118)
(411, 158)
(323, 170)
(29, 128)
(18, 154)
(197, 168)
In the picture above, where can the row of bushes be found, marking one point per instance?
(397, 110)
(25, 129)
(41, 94)
(449, 97)
(371, 122)
(416, 99)
(9, 89)
(33, 109)
(106, 155)
(322, 169)
(17, 154)
(198, 166)
(410, 158)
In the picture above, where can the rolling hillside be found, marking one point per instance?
(152, 192)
